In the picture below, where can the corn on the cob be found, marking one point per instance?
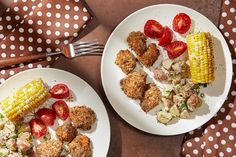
(201, 57)
(25, 99)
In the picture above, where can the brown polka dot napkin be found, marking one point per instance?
(218, 137)
(39, 26)
(14, 14)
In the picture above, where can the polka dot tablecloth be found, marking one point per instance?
(38, 26)
(217, 138)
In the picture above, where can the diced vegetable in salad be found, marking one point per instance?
(181, 96)
(15, 139)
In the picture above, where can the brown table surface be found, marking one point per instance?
(126, 141)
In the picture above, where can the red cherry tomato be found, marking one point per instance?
(60, 91)
(166, 37)
(61, 109)
(153, 29)
(38, 128)
(175, 49)
(48, 116)
(181, 23)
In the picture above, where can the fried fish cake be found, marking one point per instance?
(150, 56)
(137, 42)
(82, 117)
(66, 132)
(126, 61)
(51, 148)
(80, 146)
(151, 98)
(133, 84)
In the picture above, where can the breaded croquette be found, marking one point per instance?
(151, 98)
(150, 56)
(82, 117)
(137, 42)
(133, 84)
(126, 61)
(66, 132)
(80, 147)
(51, 148)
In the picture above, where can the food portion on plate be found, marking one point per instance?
(80, 146)
(50, 148)
(66, 132)
(201, 57)
(32, 111)
(15, 138)
(176, 81)
(151, 98)
(181, 23)
(180, 96)
(137, 41)
(25, 99)
(126, 61)
(133, 84)
(149, 57)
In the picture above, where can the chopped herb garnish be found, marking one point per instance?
(14, 137)
(70, 99)
(178, 89)
(45, 138)
(182, 107)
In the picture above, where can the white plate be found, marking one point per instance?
(129, 109)
(83, 94)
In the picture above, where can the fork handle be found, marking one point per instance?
(21, 59)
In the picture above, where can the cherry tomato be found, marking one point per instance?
(48, 116)
(181, 23)
(175, 49)
(38, 128)
(166, 37)
(60, 91)
(61, 109)
(153, 29)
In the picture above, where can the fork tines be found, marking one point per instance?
(88, 48)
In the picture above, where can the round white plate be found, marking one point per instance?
(130, 110)
(82, 93)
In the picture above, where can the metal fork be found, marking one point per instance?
(70, 51)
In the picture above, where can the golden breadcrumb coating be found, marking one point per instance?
(80, 147)
(133, 84)
(82, 117)
(66, 132)
(151, 98)
(137, 42)
(150, 56)
(51, 148)
(126, 61)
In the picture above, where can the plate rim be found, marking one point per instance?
(69, 73)
(227, 55)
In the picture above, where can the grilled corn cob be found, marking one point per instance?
(201, 57)
(25, 99)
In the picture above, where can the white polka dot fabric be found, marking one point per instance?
(39, 26)
(218, 137)
(14, 14)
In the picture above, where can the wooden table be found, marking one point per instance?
(126, 141)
